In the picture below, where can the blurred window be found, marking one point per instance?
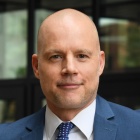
(13, 44)
(120, 35)
(40, 15)
(7, 111)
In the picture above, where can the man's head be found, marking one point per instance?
(69, 61)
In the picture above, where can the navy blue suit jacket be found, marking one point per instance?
(112, 122)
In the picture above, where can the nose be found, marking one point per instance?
(69, 67)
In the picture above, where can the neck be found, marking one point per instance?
(66, 114)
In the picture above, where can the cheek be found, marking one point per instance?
(90, 69)
(46, 70)
(47, 82)
(91, 74)
(48, 75)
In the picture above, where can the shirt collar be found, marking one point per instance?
(51, 122)
(83, 120)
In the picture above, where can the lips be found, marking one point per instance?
(69, 85)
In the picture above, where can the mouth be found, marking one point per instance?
(69, 85)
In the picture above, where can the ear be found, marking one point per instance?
(35, 65)
(102, 62)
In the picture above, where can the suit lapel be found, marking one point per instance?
(104, 127)
(36, 134)
(35, 127)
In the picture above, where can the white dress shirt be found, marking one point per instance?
(83, 121)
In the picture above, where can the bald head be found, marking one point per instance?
(69, 62)
(67, 20)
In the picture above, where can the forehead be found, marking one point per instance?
(68, 48)
(67, 33)
(64, 42)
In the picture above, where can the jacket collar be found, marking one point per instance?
(35, 126)
(104, 127)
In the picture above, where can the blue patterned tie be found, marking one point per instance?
(64, 129)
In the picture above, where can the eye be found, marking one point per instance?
(55, 57)
(82, 56)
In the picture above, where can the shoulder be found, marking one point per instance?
(120, 110)
(125, 119)
(19, 127)
(128, 121)
(120, 114)
(13, 129)
(115, 108)
(138, 110)
(26, 120)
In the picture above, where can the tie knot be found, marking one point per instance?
(64, 129)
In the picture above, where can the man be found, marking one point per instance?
(68, 64)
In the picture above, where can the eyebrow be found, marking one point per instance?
(54, 51)
(86, 51)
